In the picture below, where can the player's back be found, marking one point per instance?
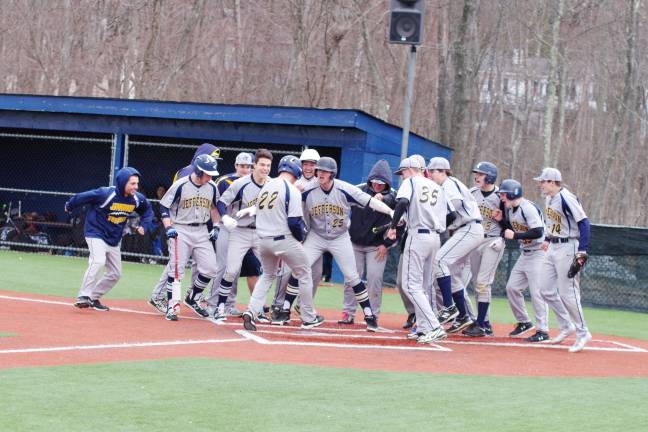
(427, 204)
(273, 204)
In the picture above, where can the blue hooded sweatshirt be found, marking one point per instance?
(109, 209)
(204, 148)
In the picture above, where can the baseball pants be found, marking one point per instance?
(456, 251)
(221, 263)
(192, 241)
(289, 250)
(483, 265)
(101, 255)
(342, 252)
(283, 275)
(159, 292)
(419, 247)
(366, 255)
(527, 272)
(565, 302)
(429, 286)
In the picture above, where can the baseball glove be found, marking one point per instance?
(577, 264)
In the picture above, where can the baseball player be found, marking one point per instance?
(370, 246)
(308, 159)
(526, 225)
(468, 234)
(107, 214)
(281, 229)
(186, 208)
(241, 195)
(327, 207)
(566, 241)
(158, 298)
(251, 267)
(426, 207)
(486, 257)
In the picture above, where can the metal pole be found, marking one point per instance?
(411, 70)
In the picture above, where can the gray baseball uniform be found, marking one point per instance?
(563, 212)
(241, 194)
(279, 200)
(425, 219)
(527, 271)
(453, 255)
(486, 257)
(190, 207)
(328, 215)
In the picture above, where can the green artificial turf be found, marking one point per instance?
(4, 334)
(219, 395)
(61, 276)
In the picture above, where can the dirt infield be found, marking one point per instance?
(50, 331)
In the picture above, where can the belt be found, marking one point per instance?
(490, 236)
(249, 227)
(467, 223)
(530, 250)
(423, 231)
(196, 224)
(558, 240)
(281, 237)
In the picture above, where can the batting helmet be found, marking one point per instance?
(205, 164)
(309, 155)
(512, 189)
(327, 164)
(290, 164)
(487, 168)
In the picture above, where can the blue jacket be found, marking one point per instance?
(109, 209)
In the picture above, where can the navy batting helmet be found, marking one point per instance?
(205, 164)
(487, 168)
(290, 164)
(327, 164)
(512, 189)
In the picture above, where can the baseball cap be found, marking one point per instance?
(410, 162)
(439, 163)
(549, 174)
(244, 159)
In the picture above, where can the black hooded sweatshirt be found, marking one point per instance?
(363, 220)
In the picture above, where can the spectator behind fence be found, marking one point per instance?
(104, 227)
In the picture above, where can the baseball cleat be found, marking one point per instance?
(219, 314)
(411, 320)
(580, 343)
(474, 330)
(459, 324)
(263, 319)
(280, 317)
(96, 305)
(432, 336)
(521, 328)
(194, 306)
(171, 314)
(564, 334)
(346, 318)
(160, 305)
(248, 321)
(318, 321)
(539, 336)
(372, 323)
(234, 312)
(83, 302)
(488, 328)
(448, 314)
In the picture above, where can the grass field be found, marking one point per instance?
(196, 394)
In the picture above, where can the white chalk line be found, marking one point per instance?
(256, 338)
(623, 347)
(118, 346)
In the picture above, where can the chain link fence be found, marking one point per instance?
(616, 274)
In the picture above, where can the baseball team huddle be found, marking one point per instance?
(275, 231)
